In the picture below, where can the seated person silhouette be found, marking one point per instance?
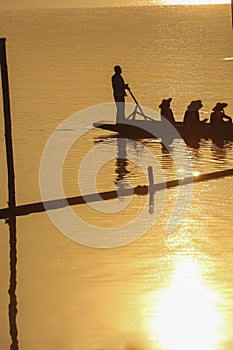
(192, 117)
(166, 111)
(119, 87)
(218, 116)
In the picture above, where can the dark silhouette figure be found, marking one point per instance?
(166, 111)
(192, 117)
(119, 93)
(218, 116)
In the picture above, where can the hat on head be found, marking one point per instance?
(220, 106)
(165, 103)
(195, 105)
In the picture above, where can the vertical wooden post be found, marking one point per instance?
(7, 121)
(232, 13)
(11, 197)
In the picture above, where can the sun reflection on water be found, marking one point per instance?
(194, 2)
(184, 315)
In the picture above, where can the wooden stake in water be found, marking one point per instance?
(151, 190)
(232, 13)
(11, 197)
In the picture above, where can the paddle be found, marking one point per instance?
(134, 98)
(133, 115)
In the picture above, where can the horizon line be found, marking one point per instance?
(162, 3)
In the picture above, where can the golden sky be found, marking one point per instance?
(65, 3)
(23, 4)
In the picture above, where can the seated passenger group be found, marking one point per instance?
(192, 117)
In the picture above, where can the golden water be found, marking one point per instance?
(163, 291)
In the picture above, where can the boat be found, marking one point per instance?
(150, 128)
(139, 125)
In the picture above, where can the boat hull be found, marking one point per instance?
(155, 129)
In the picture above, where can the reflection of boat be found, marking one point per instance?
(157, 129)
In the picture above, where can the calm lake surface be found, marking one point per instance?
(164, 290)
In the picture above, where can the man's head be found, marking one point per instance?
(165, 103)
(195, 105)
(220, 106)
(117, 69)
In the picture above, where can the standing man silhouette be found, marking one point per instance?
(119, 93)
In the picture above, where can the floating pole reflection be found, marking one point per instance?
(38, 207)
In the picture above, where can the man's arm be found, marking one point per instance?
(227, 117)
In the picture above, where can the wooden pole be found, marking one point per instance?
(7, 121)
(11, 197)
(232, 13)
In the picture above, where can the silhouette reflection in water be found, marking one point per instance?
(219, 151)
(12, 285)
(121, 160)
(193, 141)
